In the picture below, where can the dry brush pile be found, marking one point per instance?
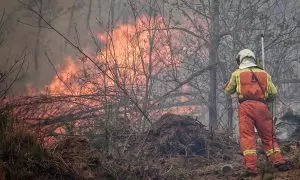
(183, 135)
(73, 157)
(177, 147)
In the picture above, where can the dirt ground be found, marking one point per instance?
(178, 147)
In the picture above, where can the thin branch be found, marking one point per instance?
(15, 78)
(95, 63)
(287, 81)
(2, 17)
(195, 10)
(21, 22)
(57, 74)
(196, 74)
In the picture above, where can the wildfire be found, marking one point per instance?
(137, 58)
(61, 84)
(133, 53)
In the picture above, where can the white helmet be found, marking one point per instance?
(243, 54)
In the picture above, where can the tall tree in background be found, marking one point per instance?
(213, 58)
(232, 26)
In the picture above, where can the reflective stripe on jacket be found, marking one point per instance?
(244, 83)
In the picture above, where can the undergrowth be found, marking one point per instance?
(22, 157)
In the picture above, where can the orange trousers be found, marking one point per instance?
(256, 114)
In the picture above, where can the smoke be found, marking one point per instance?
(78, 20)
(285, 131)
(289, 126)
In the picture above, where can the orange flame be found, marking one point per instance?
(133, 53)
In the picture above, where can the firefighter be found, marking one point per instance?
(254, 89)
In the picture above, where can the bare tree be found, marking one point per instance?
(237, 25)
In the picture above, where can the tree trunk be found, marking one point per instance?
(229, 113)
(213, 58)
(88, 18)
(37, 44)
(71, 19)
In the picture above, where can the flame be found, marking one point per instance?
(133, 54)
(61, 82)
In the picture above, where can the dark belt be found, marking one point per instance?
(249, 99)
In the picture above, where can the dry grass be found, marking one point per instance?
(22, 157)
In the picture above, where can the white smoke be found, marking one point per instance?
(286, 129)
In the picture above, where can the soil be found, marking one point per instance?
(178, 147)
